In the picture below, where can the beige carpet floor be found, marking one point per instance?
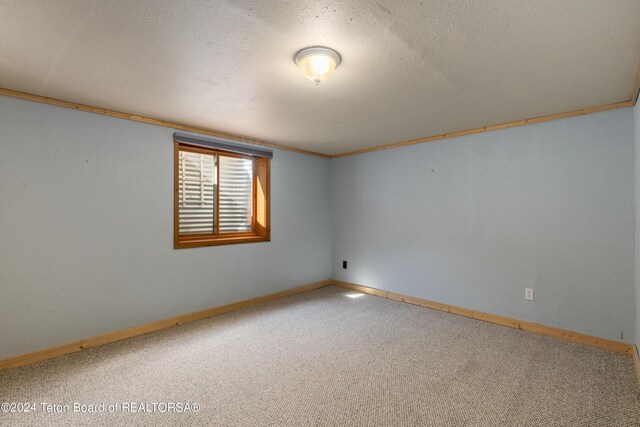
(325, 358)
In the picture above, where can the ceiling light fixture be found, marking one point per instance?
(317, 63)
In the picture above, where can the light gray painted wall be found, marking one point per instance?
(86, 223)
(86, 226)
(474, 220)
(636, 121)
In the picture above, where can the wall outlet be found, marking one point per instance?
(528, 294)
(344, 264)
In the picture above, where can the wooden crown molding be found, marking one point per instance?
(635, 91)
(517, 123)
(136, 118)
(211, 132)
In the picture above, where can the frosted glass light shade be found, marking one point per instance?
(317, 63)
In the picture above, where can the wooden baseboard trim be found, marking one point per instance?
(84, 344)
(562, 334)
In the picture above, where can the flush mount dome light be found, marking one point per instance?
(317, 63)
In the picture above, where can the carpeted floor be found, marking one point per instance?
(333, 357)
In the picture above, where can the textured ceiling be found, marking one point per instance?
(409, 70)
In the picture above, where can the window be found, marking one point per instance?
(221, 197)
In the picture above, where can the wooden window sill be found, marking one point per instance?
(217, 241)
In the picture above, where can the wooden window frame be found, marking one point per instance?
(261, 200)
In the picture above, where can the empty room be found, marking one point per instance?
(308, 213)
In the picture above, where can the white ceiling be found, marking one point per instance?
(410, 69)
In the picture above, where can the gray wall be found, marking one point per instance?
(474, 220)
(86, 230)
(86, 226)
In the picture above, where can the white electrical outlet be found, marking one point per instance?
(528, 294)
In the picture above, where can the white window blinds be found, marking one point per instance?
(236, 194)
(198, 177)
(196, 193)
